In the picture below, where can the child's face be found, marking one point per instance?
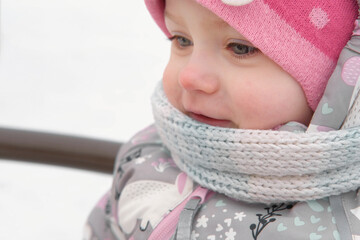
(217, 77)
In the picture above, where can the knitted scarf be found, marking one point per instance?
(260, 165)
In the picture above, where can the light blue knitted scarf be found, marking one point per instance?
(260, 165)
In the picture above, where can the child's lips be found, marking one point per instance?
(210, 121)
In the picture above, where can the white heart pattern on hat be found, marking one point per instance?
(236, 2)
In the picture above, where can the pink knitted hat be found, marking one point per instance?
(304, 37)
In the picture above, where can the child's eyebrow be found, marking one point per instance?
(219, 23)
(171, 16)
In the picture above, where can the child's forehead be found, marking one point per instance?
(207, 17)
(180, 9)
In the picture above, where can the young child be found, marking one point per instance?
(246, 144)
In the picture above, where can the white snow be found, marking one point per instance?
(84, 68)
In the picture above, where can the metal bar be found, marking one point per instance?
(58, 149)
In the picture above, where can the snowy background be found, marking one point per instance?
(84, 68)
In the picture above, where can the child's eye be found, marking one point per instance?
(181, 41)
(241, 50)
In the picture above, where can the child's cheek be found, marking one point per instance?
(171, 87)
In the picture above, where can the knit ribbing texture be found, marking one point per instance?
(263, 166)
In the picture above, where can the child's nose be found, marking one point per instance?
(199, 74)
